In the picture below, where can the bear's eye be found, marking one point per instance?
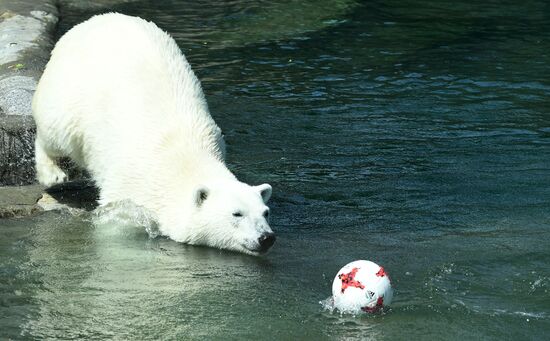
(266, 214)
(237, 214)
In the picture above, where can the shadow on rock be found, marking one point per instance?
(82, 194)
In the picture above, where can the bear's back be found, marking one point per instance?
(122, 61)
(117, 86)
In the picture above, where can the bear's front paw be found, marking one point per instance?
(50, 175)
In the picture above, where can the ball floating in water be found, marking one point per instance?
(361, 286)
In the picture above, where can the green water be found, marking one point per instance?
(412, 133)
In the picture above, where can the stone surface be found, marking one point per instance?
(16, 150)
(27, 30)
(17, 201)
(20, 201)
(17, 92)
(21, 33)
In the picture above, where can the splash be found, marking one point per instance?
(328, 304)
(125, 214)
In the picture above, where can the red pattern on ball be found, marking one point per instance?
(377, 307)
(348, 280)
(381, 272)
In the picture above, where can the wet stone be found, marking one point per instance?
(27, 36)
(19, 201)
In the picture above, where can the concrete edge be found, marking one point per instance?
(74, 197)
(27, 33)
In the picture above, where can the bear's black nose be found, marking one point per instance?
(266, 240)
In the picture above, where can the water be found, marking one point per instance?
(412, 133)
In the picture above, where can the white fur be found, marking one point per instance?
(119, 98)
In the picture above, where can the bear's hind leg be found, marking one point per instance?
(47, 170)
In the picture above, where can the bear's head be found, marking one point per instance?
(231, 215)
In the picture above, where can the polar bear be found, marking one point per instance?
(119, 98)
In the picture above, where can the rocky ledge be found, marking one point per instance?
(20, 201)
(27, 30)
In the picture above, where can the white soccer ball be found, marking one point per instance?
(361, 286)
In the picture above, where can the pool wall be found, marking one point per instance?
(27, 35)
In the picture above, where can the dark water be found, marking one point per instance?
(412, 133)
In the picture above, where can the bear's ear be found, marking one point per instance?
(201, 193)
(265, 192)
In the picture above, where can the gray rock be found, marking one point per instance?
(16, 201)
(75, 197)
(18, 34)
(27, 30)
(16, 95)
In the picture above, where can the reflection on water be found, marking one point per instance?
(412, 133)
(122, 282)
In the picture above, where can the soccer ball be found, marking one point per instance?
(361, 286)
